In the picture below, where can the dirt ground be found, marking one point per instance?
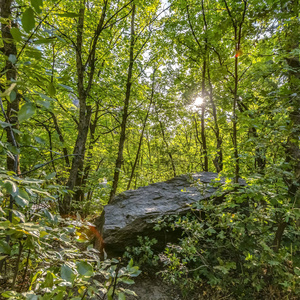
(151, 287)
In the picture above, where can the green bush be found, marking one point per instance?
(144, 254)
(227, 244)
(44, 256)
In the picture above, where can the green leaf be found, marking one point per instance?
(9, 90)
(2, 211)
(50, 176)
(84, 268)
(48, 215)
(28, 21)
(68, 15)
(9, 294)
(4, 124)
(37, 4)
(4, 247)
(67, 274)
(34, 278)
(12, 58)
(43, 41)
(46, 97)
(22, 198)
(21, 201)
(51, 89)
(11, 187)
(45, 104)
(19, 215)
(31, 296)
(40, 141)
(49, 280)
(127, 280)
(59, 296)
(34, 53)
(66, 87)
(13, 96)
(130, 264)
(16, 33)
(23, 194)
(26, 112)
(109, 294)
(121, 296)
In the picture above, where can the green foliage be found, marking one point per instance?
(64, 80)
(28, 20)
(144, 254)
(228, 245)
(46, 254)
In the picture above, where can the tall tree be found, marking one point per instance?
(119, 160)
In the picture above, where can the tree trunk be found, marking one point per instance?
(218, 160)
(11, 117)
(237, 26)
(167, 145)
(141, 137)
(10, 48)
(203, 107)
(119, 160)
(85, 111)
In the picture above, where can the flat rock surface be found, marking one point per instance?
(135, 212)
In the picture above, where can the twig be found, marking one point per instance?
(45, 164)
(36, 28)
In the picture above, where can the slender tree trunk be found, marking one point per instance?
(85, 111)
(11, 117)
(218, 160)
(198, 140)
(203, 106)
(61, 139)
(235, 96)
(237, 25)
(84, 117)
(167, 145)
(119, 160)
(82, 178)
(141, 136)
(10, 48)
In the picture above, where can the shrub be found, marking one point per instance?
(228, 245)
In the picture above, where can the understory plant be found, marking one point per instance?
(44, 256)
(228, 244)
(143, 255)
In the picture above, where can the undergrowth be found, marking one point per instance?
(44, 256)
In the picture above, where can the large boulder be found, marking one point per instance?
(134, 212)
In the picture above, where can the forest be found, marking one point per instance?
(102, 96)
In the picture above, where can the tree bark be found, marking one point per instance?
(141, 136)
(85, 110)
(11, 117)
(203, 106)
(218, 160)
(10, 48)
(237, 26)
(167, 145)
(119, 160)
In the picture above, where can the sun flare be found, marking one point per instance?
(198, 101)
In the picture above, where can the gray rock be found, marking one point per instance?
(135, 212)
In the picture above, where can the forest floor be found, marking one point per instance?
(150, 286)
